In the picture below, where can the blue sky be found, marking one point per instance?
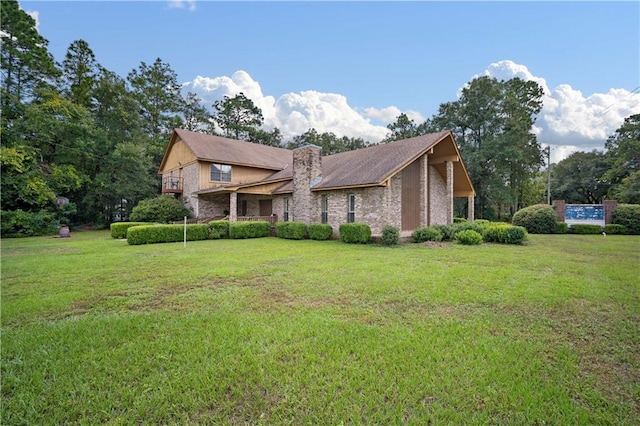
(358, 64)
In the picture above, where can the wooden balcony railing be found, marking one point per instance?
(172, 185)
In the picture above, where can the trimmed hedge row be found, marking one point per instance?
(221, 227)
(505, 234)
(355, 233)
(119, 229)
(291, 230)
(242, 230)
(585, 229)
(152, 234)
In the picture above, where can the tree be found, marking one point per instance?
(578, 179)
(156, 89)
(328, 141)
(405, 128)
(263, 137)
(195, 115)
(492, 123)
(80, 72)
(623, 158)
(238, 117)
(25, 62)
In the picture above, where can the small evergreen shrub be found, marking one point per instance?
(161, 209)
(478, 226)
(426, 233)
(505, 234)
(221, 227)
(448, 231)
(537, 219)
(562, 228)
(119, 229)
(459, 220)
(469, 237)
(613, 228)
(152, 234)
(257, 229)
(291, 230)
(320, 231)
(585, 229)
(19, 223)
(628, 215)
(355, 233)
(390, 236)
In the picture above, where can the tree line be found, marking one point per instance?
(77, 130)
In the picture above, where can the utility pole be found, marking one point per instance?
(548, 174)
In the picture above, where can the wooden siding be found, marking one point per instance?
(180, 156)
(411, 196)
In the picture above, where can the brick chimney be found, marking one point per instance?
(307, 172)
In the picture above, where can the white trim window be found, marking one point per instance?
(351, 204)
(220, 173)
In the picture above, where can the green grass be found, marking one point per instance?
(273, 331)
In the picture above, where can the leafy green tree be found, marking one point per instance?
(163, 209)
(156, 89)
(238, 117)
(492, 123)
(80, 72)
(623, 158)
(579, 178)
(405, 128)
(23, 184)
(272, 138)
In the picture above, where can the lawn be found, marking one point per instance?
(272, 331)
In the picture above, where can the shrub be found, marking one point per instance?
(320, 231)
(221, 227)
(613, 228)
(448, 231)
(162, 209)
(478, 226)
(628, 215)
(469, 237)
(355, 233)
(537, 219)
(426, 233)
(19, 223)
(505, 234)
(585, 229)
(119, 229)
(562, 228)
(291, 230)
(152, 234)
(459, 220)
(257, 229)
(390, 235)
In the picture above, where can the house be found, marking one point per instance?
(406, 184)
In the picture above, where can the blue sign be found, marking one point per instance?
(593, 212)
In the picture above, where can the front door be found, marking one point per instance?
(265, 208)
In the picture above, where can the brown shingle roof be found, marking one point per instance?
(235, 152)
(374, 164)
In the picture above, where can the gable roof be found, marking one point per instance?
(374, 164)
(230, 151)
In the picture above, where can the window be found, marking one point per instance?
(285, 216)
(220, 173)
(351, 214)
(325, 208)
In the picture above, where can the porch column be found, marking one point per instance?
(471, 215)
(233, 207)
(449, 184)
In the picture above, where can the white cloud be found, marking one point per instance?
(294, 113)
(190, 5)
(390, 114)
(569, 120)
